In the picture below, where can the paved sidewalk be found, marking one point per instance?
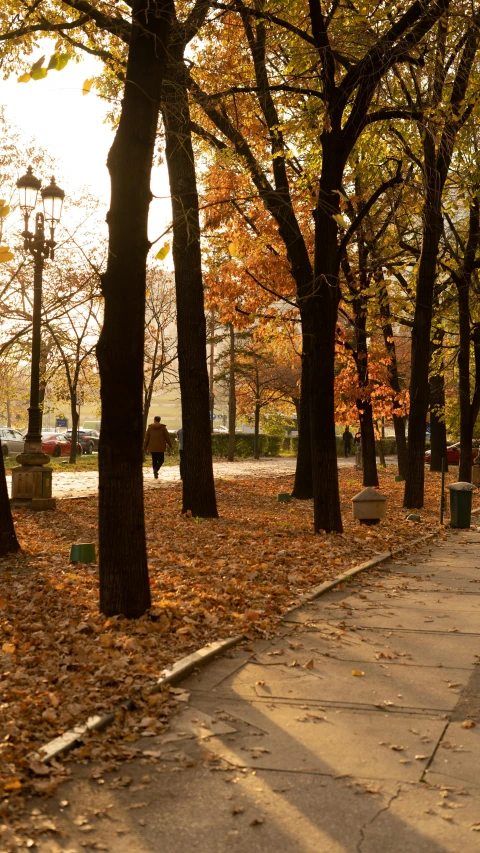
(352, 731)
(79, 484)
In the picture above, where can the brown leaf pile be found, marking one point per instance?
(62, 661)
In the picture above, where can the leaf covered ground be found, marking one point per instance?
(62, 661)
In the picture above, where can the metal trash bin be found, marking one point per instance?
(461, 504)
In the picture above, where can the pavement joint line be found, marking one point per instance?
(185, 666)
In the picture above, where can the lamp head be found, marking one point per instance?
(52, 197)
(28, 187)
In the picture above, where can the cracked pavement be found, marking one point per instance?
(356, 729)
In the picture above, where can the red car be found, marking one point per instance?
(55, 444)
(453, 453)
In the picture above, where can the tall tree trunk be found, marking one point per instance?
(198, 483)
(320, 323)
(468, 409)
(379, 446)
(124, 585)
(8, 537)
(401, 442)
(147, 402)
(438, 429)
(256, 434)
(211, 373)
(393, 375)
(9, 410)
(75, 419)
(422, 323)
(369, 455)
(232, 395)
(303, 485)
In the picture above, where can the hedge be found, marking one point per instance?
(268, 445)
(389, 446)
(271, 445)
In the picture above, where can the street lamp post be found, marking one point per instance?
(32, 481)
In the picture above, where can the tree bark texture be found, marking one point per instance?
(75, 419)
(232, 395)
(422, 322)
(468, 407)
(256, 434)
(303, 485)
(438, 429)
(198, 482)
(321, 310)
(124, 585)
(393, 377)
(8, 537)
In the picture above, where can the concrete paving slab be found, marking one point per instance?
(250, 812)
(414, 619)
(310, 737)
(458, 756)
(334, 681)
(402, 648)
(426, 819)
(453, 602)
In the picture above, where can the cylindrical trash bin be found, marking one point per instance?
(460, 504)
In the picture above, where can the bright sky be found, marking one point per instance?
(70, 126)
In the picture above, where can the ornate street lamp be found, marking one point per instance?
(32, 482)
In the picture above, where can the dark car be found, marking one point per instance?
(453, 453)
(87, 438)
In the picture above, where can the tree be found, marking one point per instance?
(444, 102)
(339, 98)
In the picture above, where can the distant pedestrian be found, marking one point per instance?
(347, 442)
(156, 439)
(180, 448)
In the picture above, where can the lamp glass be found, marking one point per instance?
(28, 187)
(52, 197)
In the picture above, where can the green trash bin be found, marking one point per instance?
(460, 504)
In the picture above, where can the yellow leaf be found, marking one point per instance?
(13, 785)
(233, 249)
(38, 64)
(87, 85)
(357, 672)
(4, 210)
(24, 78)
(39, 74)
(340, 220)
(8, 648)
(5, 254)
(163, 252)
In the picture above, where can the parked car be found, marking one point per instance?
(87, 439)
(55, 444)
(12, 441)
(453, 453)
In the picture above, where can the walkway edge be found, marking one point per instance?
(183, 667)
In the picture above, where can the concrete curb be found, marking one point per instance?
(183, 667)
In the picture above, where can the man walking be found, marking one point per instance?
(156, 439)
(347, 442)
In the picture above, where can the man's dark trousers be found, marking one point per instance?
(157, 461)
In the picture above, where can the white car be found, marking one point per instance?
(12, 441)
